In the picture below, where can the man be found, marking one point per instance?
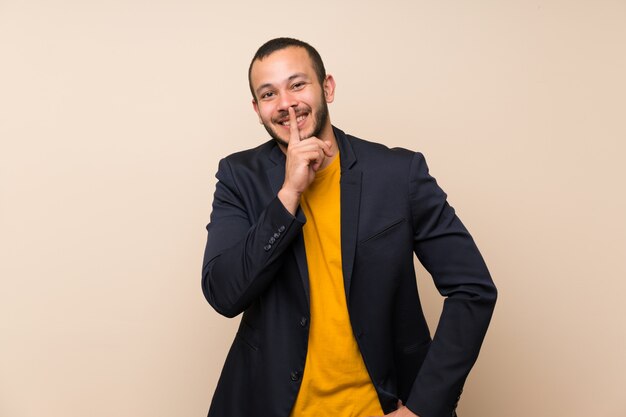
(312, 237)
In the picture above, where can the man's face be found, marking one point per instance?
(284, 79)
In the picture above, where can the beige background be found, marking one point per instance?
(114, 114)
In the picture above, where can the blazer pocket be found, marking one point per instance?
(389, 227)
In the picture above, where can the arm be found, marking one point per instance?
(448, 252)
(242, 255)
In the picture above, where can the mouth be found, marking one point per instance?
(300, 119)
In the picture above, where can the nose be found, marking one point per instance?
(287, 100)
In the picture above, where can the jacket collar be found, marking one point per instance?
(350, 206)
(348, 157)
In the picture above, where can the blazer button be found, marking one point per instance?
(276, 235)
(281, 229)
(303, 321)
(267, 247)
(295, 375)
(272, 240)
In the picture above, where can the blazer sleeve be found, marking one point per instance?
(448, 252)
(243, 254)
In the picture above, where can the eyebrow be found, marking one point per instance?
(291, 77)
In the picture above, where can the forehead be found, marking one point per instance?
(280, 65)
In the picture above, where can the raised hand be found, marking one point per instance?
(304, 158)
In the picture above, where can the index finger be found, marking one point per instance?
(293, 126)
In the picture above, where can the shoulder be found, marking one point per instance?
(377, 155)
(251, 156)
(250, 161)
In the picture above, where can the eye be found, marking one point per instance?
(298, 86)
(267, 95)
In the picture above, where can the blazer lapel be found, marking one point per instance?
(276, 176)
(350, 205)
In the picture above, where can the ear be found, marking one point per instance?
(255, 105)
(329, 88)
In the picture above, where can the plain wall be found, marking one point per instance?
(114, 115)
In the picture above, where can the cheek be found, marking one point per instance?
(265, 113)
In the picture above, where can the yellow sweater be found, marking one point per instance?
(335, 381)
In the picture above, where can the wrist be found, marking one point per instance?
(290, 199)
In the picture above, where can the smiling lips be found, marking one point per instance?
(299, 118)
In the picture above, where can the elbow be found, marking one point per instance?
(219, 305)
(229, 313)
(215, 298)
(488, 295)
(484, 294)
(491, 294)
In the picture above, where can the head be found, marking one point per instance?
(287, 73)
(278, 44)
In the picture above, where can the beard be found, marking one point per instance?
(320, 120)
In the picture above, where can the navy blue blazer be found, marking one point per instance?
(391, 208)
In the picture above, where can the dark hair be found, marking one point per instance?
(278, 44)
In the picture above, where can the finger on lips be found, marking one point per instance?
(293, 125)
(320, 148)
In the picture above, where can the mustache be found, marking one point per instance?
(283, 115)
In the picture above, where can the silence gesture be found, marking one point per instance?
(304, 158)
